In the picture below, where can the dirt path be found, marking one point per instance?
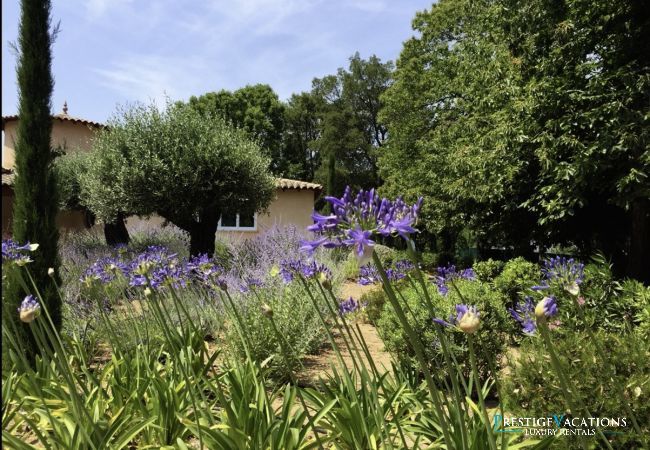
(320, 365)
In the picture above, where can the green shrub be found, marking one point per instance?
(172, 238)
(517, 275)
(374, 301)
(488, 270)
(611, 305)
(386, 254)
(296, 320)
(532, 389)
(223, 254)
(489, 339)
(429, 260)
(350, 267)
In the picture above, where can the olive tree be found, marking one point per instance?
(69, 168)
(178, 164)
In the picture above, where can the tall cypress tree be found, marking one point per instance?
(35, 201)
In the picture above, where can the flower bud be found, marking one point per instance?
(547, 307)
(50, 272)
(266, 310)
(29, 309)
(470, 322)
(325, 281)
(147, 292)
(572, 288)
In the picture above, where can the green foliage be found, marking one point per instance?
(529, 125)
(301, 131)
(255, 109)
(488, 270)
(429, 260)
(489, 339)
(298, 324)
(35, 194)
(374, 301)
(517, 275)
(68, 168)
(350, 132)
(610, 305)
(532, 388)
(179, 164)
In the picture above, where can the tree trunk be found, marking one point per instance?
(202, 237)
(639, 257)
(115, 232)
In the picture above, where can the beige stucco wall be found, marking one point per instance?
(290, 207)
(69, 135)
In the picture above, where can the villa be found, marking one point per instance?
(292, 205)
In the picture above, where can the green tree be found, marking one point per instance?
(180, 164)
(350, 129)
(35, 201)
(256, 109)
(70, 168)
(302, 114)
(452, 116)
(526, 123)
(586, 69)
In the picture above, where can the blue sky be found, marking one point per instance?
(112, 52)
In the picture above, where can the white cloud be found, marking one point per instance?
(150, 77)
(97, 8)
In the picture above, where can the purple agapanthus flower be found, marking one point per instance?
(368, 273)
(355, 220)
(349, 306)
(360, 239)
(104, 271)
(564, 271)
(14, 253)
(524, 313)
(448, 273)
(289, 268)
(204, 269)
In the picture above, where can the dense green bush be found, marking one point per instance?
(374, 301)
(532, 388)
(296, 320)
(429, 261)
(516, 276)
(490, 338)
(610, 304)
(488, 270)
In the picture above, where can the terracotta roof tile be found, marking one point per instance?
(62, 117)
(285, 183)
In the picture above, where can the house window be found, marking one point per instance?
(238, 222)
